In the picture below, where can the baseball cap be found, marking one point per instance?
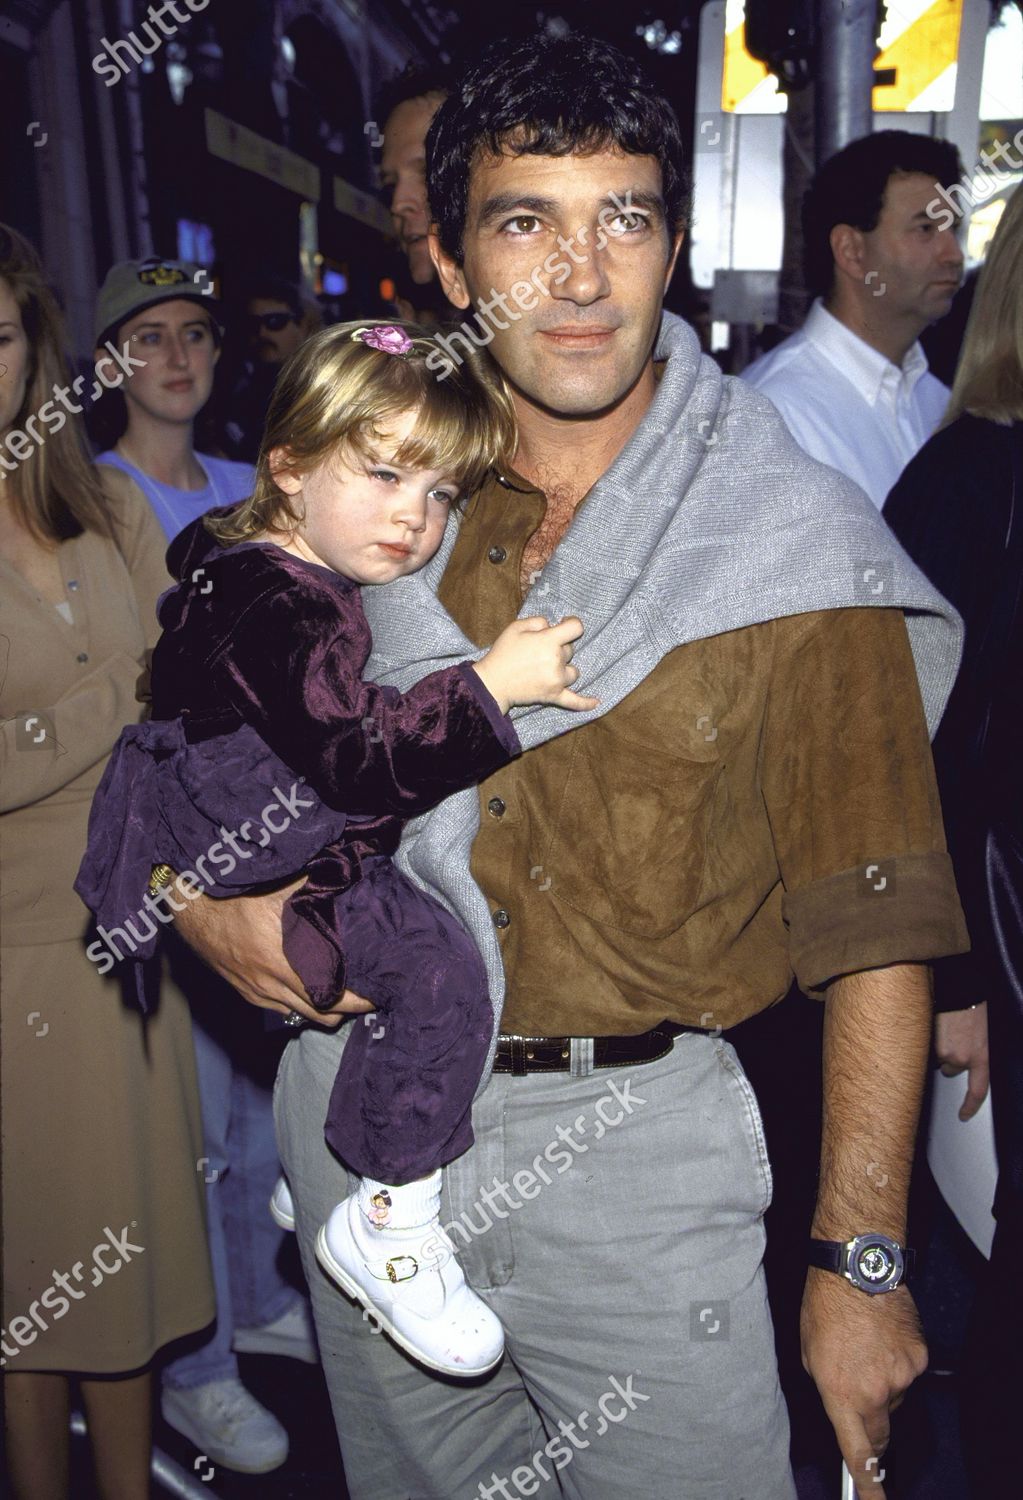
(133, 285)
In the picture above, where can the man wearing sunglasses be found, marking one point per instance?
(275, 317)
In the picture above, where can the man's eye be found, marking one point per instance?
(523, 224)
(628, 223)
(387, 475)
(198, 335)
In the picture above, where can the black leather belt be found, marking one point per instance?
(553, 1054)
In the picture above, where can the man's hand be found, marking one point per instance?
(241, 939)
(960, 1041)
(863, 1353)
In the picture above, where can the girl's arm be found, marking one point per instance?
(364, 748)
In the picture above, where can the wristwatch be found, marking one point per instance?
(872, 1262)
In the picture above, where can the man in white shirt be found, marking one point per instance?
(853, 383)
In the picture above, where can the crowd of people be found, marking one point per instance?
(585, 779)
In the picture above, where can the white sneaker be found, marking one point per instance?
(411, 1282)
(228, 1425)
(292, 1334)
(282, 1205)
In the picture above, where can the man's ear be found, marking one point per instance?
(676, 247)
(449, 272)
(283, 471)
(847, 251)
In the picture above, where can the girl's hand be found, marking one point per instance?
(531, 662)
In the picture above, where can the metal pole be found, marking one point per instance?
(845, 63)
(170, 1476)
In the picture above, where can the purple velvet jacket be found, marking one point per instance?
(268, 756)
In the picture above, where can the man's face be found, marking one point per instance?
(274, 331)
(403, 174)
(556, 224)
(176, 340)
(919, 264)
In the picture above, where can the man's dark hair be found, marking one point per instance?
(270, 287)
(415, 81)
(850, 189)
(549, 96)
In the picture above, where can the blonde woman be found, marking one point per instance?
(104, 1256)
(958, 511)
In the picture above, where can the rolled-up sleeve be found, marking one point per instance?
(848, 784)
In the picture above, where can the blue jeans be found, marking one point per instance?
(236, 1057)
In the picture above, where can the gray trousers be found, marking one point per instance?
(614, 1222)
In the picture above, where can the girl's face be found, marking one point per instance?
(14, 357)
(176, 341)
(374, 522)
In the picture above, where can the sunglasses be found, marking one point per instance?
(273, 322)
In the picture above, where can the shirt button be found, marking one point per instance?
(72, 583)
(497, 555)
(83, 656)
(501, 918)
(496, 807)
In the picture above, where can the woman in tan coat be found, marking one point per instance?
(104, 1245)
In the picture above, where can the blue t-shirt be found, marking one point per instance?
(228, 483)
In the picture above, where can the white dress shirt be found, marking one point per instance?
(847, 404)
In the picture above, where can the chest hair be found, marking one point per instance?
(562, 500)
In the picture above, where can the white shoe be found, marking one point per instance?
(292, 1334)
(411, 1282)
(228, 1425)
(282, 1205)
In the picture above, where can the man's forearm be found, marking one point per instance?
(876, 1040)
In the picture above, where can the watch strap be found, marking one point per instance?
(828, 1255)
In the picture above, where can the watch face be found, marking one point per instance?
(875, 1264)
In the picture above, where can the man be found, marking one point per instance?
(703, 834)
(853, 383)
(277, 317)
(407, 106)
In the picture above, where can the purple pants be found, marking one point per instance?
(400, 1105)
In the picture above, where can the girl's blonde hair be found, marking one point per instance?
(989, 377)
(56, 493)
(336, 395)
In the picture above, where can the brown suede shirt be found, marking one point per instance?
(762, 805)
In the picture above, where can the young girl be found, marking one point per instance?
(259, 703)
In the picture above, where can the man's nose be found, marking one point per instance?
(588, 279)
(950, 248)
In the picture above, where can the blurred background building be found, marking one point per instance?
(244, 135)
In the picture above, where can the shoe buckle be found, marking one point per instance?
(393, 1274)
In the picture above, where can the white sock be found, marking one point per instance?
(410, 1206)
